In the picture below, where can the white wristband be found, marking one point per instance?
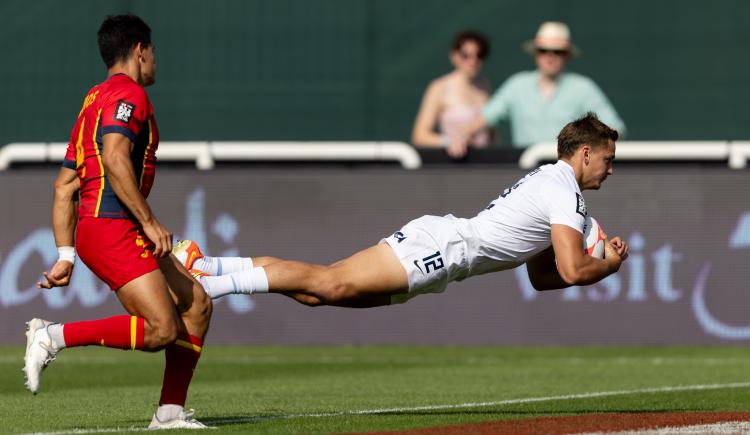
(66, 253)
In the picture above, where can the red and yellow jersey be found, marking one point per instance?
(118, 105)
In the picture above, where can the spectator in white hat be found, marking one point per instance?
(538, 103)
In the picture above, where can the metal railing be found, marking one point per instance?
(734, 152)
(206, 154)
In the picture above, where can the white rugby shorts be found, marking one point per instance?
(432, 252)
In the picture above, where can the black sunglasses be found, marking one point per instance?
(464, 55)
(555, 52)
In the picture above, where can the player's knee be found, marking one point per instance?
(334, 289)
(264, 261)
(205, 309)
(201, 309)
(341, 292)
(161, 333)
(169, 334)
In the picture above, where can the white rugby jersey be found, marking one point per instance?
(517, 225)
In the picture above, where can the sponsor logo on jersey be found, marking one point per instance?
(580, 205)
(124, 111)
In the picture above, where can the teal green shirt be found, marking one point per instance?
(534, 120)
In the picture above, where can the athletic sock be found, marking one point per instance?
(121, 332)
(165, 413)
(182, 357)
(222, 265)
(245, 282)
(55, 332)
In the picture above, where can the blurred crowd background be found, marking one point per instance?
(357, 70)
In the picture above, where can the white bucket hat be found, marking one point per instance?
(552, 35)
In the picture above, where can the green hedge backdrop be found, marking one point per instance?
(356, 69)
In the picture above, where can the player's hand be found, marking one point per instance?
(160, 236)
(58, 276)
(621, 247)
(612, 256)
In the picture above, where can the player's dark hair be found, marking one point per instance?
(587, 130)
(118, 34)
(472, 35)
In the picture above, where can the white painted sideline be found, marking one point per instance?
(736, 153)
(205, 154)
(652, 390)
(728, 428)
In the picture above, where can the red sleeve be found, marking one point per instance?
(70, 157)
(125, 111)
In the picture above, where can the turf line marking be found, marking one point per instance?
(679, 388)
(727, 427)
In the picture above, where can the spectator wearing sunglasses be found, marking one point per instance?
(538, 103)
(456, 99)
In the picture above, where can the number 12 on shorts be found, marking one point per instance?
(434, 261)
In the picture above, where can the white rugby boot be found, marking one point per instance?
(184, 420)
(187, 251)
(40, 352)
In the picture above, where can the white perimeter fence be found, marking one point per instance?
(206, 154)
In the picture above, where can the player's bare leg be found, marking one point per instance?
(192, 308)
(176, 314)
(193, 305)
(151, 325)
(366, 279)
(175, 319)
(147, 297)
(265, 261)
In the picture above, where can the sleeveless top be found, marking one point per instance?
(454, 118)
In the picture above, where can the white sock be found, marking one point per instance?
(55, 332)
(243, 282)
(223, 265)
(168, 412)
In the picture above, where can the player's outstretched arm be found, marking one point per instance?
(577, 268)
(64, 217)
(120, 172)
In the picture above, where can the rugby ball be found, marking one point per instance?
(593, 238)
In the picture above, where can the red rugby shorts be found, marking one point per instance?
(116, 250)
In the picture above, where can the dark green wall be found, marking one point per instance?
(356, 69)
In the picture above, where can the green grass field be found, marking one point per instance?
(310, 390)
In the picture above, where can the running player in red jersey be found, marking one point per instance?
(110, 165)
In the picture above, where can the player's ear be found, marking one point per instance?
(586, 150)
(138, 51)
